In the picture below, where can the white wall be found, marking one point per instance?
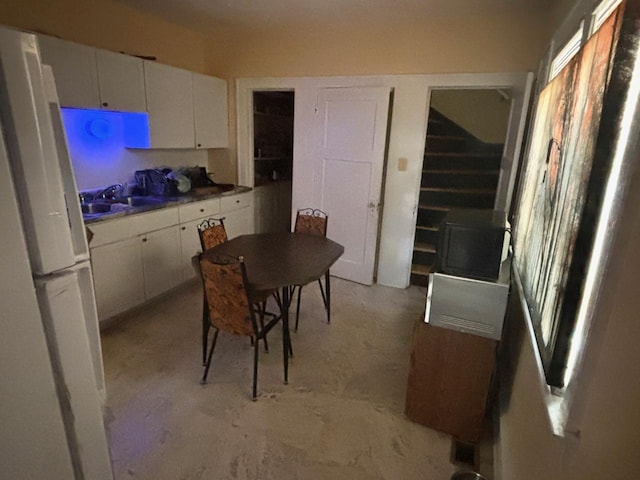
(406, 141)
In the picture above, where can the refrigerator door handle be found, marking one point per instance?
(74, 211)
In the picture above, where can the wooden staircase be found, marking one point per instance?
(459, 171)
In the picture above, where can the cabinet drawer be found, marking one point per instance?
(195, 210)
(110, 231)
(156, 220)
(235, 202)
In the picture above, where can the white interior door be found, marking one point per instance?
(351, 134)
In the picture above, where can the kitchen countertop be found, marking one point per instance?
(166, 202)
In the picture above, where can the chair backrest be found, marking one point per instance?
(311, 221)
(223, 278)
(212, 233)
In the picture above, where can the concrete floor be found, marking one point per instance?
(340, 417)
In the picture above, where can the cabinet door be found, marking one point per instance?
(190, 244)
(265, 204)
(121, 81)
(283, 208)
(260, 210)
(237, 211)
(74, 69)
(210, 111)
(161, 260)
(117, 277)
(170, 106)
(238, 222)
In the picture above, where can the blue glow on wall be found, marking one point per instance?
(101, 133)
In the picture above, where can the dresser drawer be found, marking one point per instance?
(195, 210)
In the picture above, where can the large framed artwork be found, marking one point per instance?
(552, 237)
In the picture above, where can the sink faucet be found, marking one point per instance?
(111, 192)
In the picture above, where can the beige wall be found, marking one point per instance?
(605, 416)
(495, 43)
(109, 25)
(609, 440)
(483, 113)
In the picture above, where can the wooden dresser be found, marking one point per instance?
(449, 380)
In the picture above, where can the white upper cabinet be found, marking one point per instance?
(170, 106)
(74, 69)
(87, 77)
(121, 81)
(186, 109)
(210, 111)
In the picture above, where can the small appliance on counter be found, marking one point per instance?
(151, 182)
(171, 182)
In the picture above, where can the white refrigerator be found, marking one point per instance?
(51, 375)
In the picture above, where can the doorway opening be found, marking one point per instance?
(273, 118)
(465, 137)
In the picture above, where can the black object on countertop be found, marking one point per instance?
(155, 181)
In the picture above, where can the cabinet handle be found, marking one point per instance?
(237, 201)
(199, 144)
(144, 239)
(105, 104)
(202, 210)
(184, 228)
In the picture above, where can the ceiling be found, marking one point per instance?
(258, 14)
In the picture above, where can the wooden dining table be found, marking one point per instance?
(278, 261)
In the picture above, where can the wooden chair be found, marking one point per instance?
(232, 305)
(312, 221)
(211, 233)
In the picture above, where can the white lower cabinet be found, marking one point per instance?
(118, 276)
(136, 258)
(272, 207)
(161, 260)
(238, 222)
(237, 211)
(190, 245)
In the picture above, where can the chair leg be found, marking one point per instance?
(298, 308)
(262, 307)
(205, 329)
(255, 370)
(213, 346)
(327, 296)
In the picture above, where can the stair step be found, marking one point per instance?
(460, 154)
(447, 137)
(461, 161)
(421, 269)
(435, 207)
(471, 191)
(424, 247)
(461, 172)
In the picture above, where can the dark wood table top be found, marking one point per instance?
(276, 260)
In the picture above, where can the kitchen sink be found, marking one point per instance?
(135, 201)
(92, 208)
(119, 204)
